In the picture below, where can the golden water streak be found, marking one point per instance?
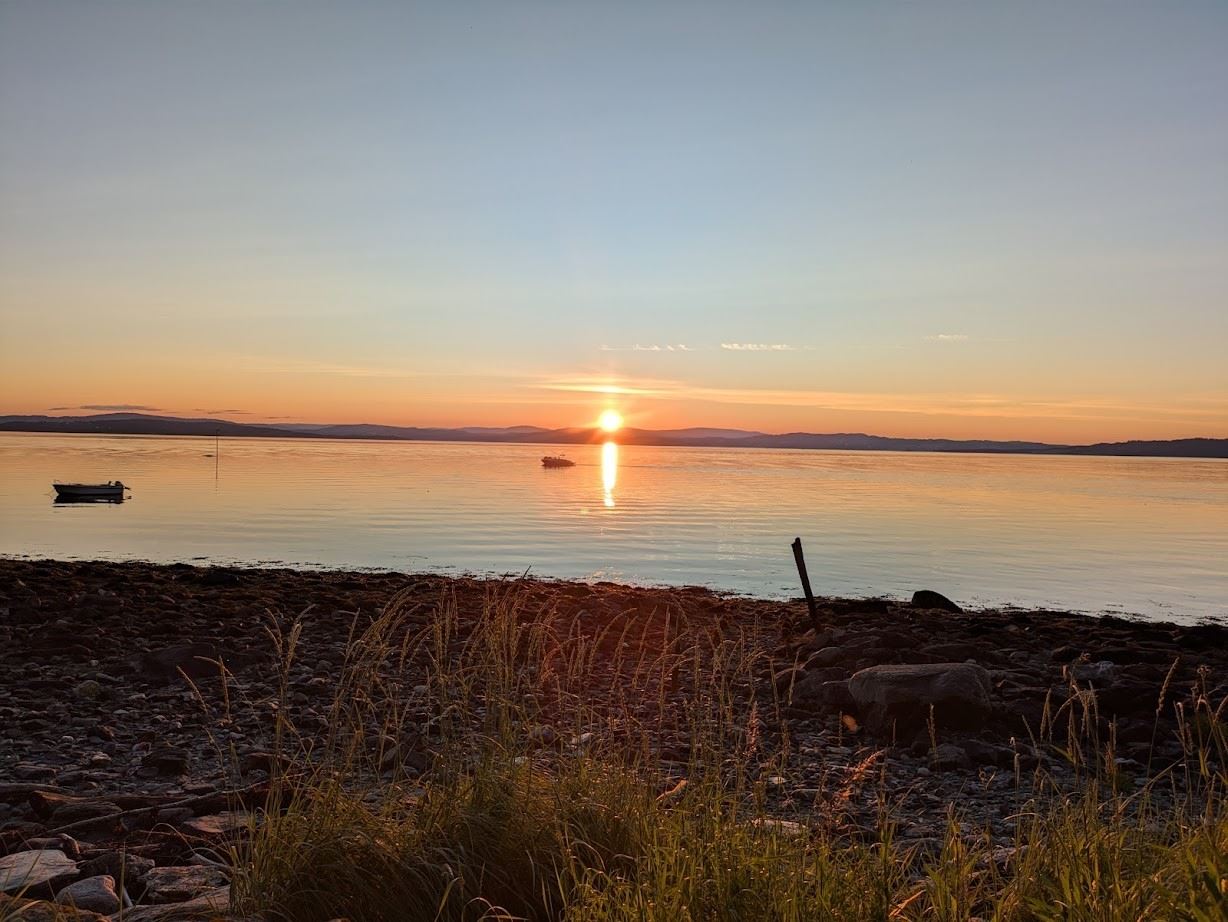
(609, 471)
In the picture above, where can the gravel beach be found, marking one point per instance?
(124, 751)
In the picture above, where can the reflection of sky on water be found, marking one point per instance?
(1128, 534)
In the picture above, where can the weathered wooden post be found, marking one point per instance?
(801, 571)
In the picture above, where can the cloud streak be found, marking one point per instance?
(110, 407)
(652, 347)
(761, 347)
(584, 385)
(1005, 406)
(948, 338)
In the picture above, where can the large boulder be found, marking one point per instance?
(903, 698)
(928, 598)
(36, 872)
(97, 894)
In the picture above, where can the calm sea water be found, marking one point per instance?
(1139, 536)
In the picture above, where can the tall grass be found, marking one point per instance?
(509, 765)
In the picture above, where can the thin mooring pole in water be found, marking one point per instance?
(801, 571)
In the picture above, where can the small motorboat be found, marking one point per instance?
(557, 461)
(112, 490)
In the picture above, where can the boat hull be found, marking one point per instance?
(88, 491)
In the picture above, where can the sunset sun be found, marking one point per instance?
(610, 421)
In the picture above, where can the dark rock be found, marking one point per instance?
(125, 867)
(836, 695)
(89, 690)
(211, 905)
(955, 651)
(218, 825)
(1098, 673)
(213, 576)
(174, 885)
(1127, 696)
(97, 894)
(65, 843)
(86, 810)
(828, 656)
(32, 771)
(36, 872)
(927, 598)
(169, 815)
(827, 674)
(1135, 731)
(785, 679)
(812, 687)
(166, 760)
(898, 640)
(45, 802)
(42, 911)
(904, 697)
(948, 756)
(196, 660)
(982, 753)
(262, 761)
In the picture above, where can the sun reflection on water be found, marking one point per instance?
(609, 471)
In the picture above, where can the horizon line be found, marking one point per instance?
(735, 435)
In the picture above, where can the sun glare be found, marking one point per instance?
(610, 421)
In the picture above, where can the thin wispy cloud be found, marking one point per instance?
(728, 347)
(227, 412)
(652, 347)
(948, 338)
(110, 407)
(583, 385)
(1008, 406)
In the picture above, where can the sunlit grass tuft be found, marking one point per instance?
(584, 822)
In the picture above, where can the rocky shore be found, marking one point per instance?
(127, 759)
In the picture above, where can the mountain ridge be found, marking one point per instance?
(697, 437)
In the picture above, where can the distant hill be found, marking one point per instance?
(146, 424)
(141, 424)
(1182, 448)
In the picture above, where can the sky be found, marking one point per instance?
(963, 220)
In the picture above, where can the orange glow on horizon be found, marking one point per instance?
(274, 395)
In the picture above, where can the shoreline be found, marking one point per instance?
(449, 572)
(98, 716)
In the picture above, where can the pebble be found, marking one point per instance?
(89, 690)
